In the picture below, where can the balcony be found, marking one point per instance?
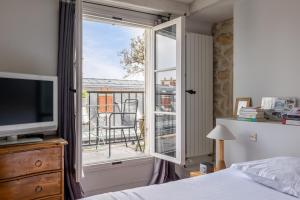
(97, 112)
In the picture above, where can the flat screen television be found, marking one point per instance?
(28, 104)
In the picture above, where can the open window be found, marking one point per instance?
(167, 128)
(162, 95)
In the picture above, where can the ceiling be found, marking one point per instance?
(210, 11)
(215, 13)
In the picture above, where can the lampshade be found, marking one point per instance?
(221, 132)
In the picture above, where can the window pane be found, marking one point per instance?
(165, 134)
(165, 48)
(165, 91)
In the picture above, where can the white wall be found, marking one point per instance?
(108, 178)
(273, 139)
(29, 36)
(266, 48)
(195, 26)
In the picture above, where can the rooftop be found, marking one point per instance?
(94, 84)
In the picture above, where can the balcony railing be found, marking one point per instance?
(96, 109)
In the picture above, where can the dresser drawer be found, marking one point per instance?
(29, 162)
(32, 187)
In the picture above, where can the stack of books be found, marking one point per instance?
(251, 114)
(292, 117)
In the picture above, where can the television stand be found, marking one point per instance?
(14, 140)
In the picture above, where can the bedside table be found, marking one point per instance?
(198, 173)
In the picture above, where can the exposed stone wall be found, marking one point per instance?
(223, 68)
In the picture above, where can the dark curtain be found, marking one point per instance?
(163, 172)
(66, 95)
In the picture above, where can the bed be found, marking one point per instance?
(228, 184)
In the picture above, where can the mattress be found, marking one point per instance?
(229, 184)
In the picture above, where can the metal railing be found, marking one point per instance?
(97, 107)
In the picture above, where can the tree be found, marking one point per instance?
(133, 58)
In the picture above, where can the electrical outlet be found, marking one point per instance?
(253, 137)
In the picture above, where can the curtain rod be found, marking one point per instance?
(127, 9)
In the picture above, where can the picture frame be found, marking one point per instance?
(239, 103)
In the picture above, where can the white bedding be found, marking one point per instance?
(229, 184)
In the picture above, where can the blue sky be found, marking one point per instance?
(101, 45)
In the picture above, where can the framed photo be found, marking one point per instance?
(278, 104)
(241, 102)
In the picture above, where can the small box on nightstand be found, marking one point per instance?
(206, 167)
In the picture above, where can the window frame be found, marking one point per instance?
(180, 91)
(83, 13)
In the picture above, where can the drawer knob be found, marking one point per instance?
(38, 163)
(38, 189)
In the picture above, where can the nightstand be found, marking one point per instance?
(199, 173)
(196, 173)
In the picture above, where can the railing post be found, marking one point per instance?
(106, 118)
(89, 118)
(113, 110)
(129, 111)
(97, 118)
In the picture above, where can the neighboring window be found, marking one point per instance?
(105, 104)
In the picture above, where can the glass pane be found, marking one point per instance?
(165, 91)
(165, 134)
(165, 48)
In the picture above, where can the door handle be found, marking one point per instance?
(191, 91)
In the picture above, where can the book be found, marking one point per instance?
(251, 109)
(251, 116)
(251, 119)
(292, 117)
(291, 122)
(252, 113)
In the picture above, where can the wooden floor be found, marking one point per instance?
(91, 155)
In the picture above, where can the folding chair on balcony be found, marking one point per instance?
(120, 119)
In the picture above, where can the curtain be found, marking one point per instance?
(66, 95)
(163, 172)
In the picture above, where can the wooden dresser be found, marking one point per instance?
(32, 171)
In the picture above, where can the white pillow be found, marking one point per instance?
(280, 173)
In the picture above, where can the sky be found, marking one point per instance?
(102, 44)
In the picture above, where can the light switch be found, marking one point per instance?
(253, 137)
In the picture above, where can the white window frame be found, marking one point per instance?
(90, 12)
(78, 84)
(180, 91)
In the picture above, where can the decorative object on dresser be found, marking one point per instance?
(220, 133)
(241, 102)
(276, 107)
(32, 170)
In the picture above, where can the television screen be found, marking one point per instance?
(25, 101)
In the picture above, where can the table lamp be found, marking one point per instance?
(220, 133)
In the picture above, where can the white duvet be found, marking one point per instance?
(229, 184)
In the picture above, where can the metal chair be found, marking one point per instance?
(122, 119)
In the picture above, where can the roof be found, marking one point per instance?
(94, 84)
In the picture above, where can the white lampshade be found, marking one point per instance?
(221, 132)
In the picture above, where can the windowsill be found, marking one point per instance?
(142, 160)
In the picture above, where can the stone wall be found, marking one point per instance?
(223, 68)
